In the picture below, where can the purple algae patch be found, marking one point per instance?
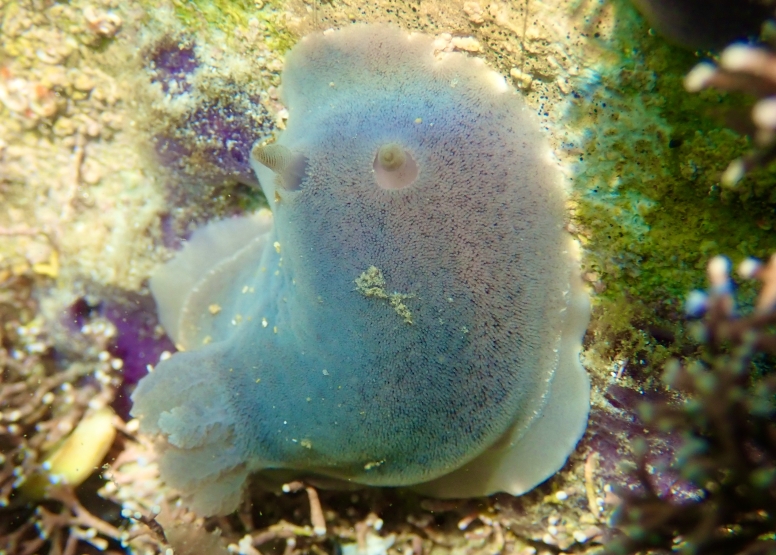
(78, 314)
(138, 341)
(611, 434)
(207, 138)
(171, 238)
(214, 143)
(171, 63)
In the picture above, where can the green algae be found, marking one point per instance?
(651, 209)
(219, 13)
(228, 15)
(250, 199)
(279, 38)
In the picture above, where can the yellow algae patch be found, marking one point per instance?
(74, 460)
(373, 464)
(371, 283)
(50, 268)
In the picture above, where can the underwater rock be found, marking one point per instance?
(409, 314)
(75, 459)
(136, 341)
(204, 122)
(171, 62)
(705, 23)
(213, 143)
(613, 432)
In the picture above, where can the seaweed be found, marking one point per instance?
(726, 422)
(46, 397)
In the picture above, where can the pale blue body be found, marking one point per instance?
(337, 383)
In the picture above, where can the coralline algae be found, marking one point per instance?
(408, 315)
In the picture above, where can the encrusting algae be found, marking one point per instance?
(371, 283)
(124, 126)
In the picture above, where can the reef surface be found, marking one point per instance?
(126, 125)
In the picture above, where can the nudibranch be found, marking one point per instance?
(410, 312)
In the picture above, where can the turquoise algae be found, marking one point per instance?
(411, 311)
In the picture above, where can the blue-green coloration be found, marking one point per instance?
(411, 308)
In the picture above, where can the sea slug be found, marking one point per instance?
(409, 314)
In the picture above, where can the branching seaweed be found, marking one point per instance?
(727, 423)
(44, 401)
